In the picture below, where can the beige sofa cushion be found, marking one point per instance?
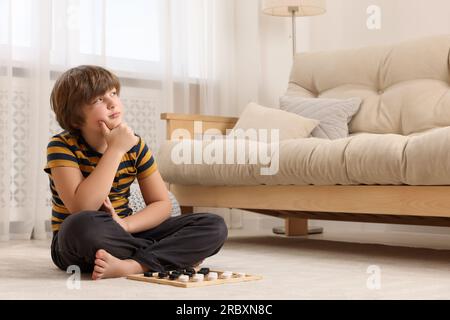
(371, 159)
(405, 87)
(290, 125)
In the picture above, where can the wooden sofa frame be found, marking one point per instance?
(413, 205)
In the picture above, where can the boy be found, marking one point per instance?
(91, 166)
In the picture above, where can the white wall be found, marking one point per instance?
(344, 24)
(263, 52)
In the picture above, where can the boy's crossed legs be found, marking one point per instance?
(96, 243)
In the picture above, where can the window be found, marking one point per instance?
(124, 35)
(131, 29)
(20, 23)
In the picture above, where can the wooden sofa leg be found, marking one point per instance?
(296, 227)
(186, 210)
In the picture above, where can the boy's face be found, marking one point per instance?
(107, 108)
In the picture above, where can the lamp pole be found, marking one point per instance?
(294, 10)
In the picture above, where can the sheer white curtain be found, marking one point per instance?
(24, 81)
(171, 55)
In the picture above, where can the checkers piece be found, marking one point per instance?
(173, 276)
(183, 278)
(198, 277)
(189, 274)
(203, 271)
(212, 276)
(226, 275)
(191, 270)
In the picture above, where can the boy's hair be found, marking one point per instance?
(76, 88)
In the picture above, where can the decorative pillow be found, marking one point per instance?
(290, 126)
(334, 114)
(137, 202)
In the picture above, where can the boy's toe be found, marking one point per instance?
(100, 262)
(99, 269)
(101, 254)
(95, 275)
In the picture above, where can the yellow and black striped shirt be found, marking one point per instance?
(68, 150)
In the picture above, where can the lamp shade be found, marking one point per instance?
(283, 8)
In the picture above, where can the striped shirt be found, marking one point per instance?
(67, 150)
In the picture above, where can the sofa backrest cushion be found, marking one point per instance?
(405, 87)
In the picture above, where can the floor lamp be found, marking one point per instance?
(294, 9)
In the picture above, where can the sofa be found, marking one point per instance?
(393, 167)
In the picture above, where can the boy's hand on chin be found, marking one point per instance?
(121, 137)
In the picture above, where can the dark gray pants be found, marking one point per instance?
(178, 242)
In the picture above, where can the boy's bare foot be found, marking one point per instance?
(108, 266)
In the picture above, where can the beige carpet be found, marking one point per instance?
(295, 268)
